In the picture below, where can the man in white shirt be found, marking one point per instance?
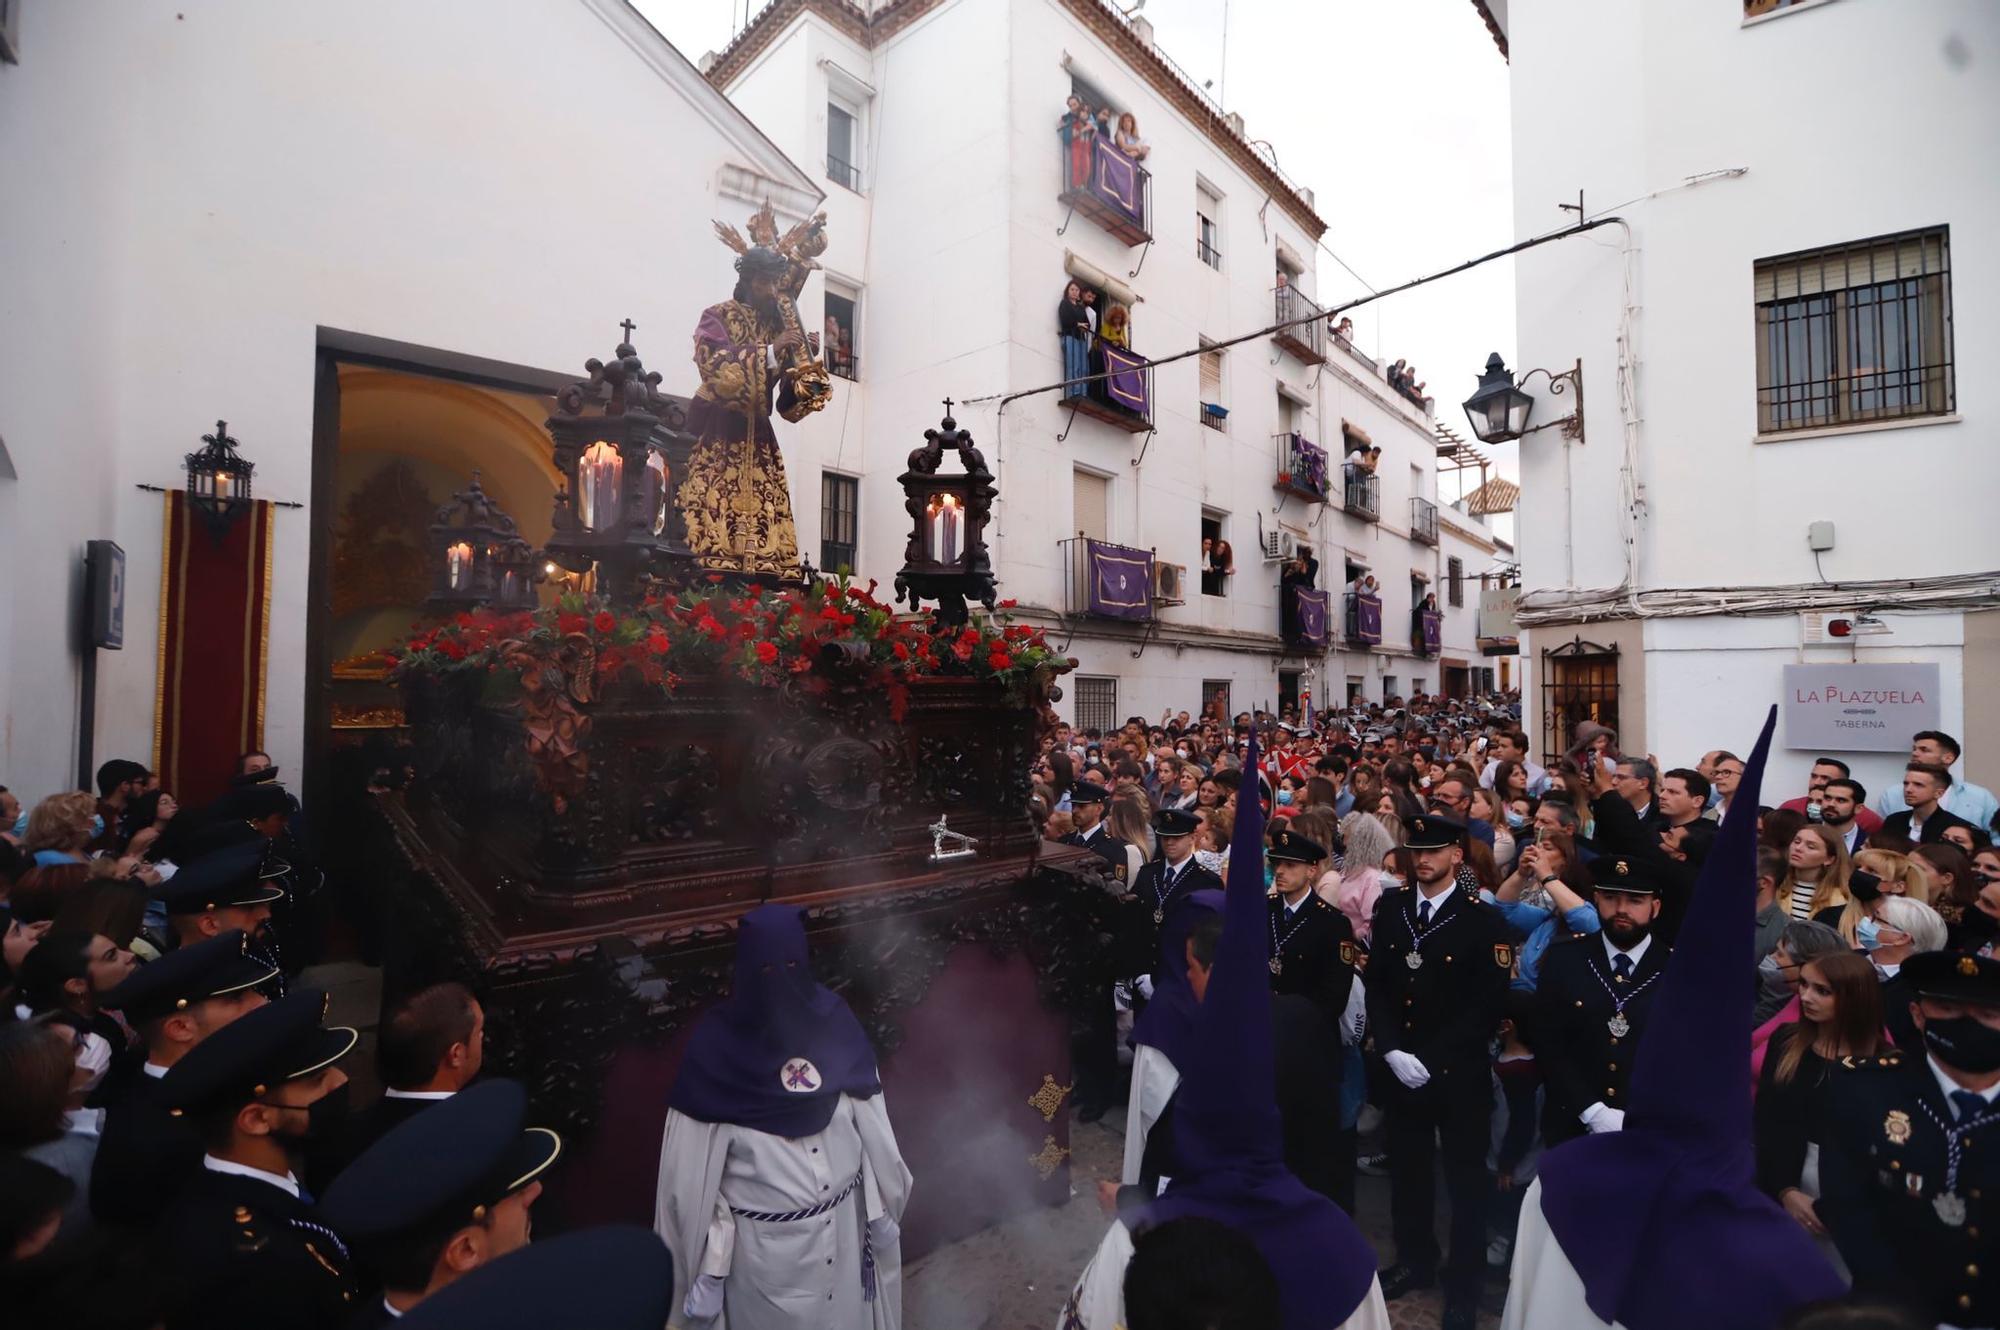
(1975, 803)
(1512, 747)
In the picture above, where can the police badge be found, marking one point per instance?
(1897, 1127)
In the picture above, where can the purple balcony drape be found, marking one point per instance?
(1120, 579)
(1126, 385)
(1310, 614)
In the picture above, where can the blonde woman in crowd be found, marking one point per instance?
(1816, 871)
(1363, 875)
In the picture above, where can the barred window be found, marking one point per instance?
(839, 497)
(1855, 333)
(1454, 574)
(1215, 699)
(1096, 703)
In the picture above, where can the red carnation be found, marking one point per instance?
(569, 623)
(963, 651)
(605, 622)
(767, 652)
(658, 644)
(452, 648)
(902, 651)
(800, 664)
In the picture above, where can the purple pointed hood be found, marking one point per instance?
(1167, 1023)
(1227, 1135)
(1635, 1211)
(741, 1064)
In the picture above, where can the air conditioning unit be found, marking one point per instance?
(1288, 545)
(1169, 583)
(1274, 546)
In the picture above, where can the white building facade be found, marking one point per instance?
(954, 226)
(1779, 340)
(220, 208)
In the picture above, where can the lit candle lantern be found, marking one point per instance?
(510, 586)
(600, 474)
(944, 518)
(458, 566)
(222, 484)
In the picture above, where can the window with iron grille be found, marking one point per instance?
(839, 499)
(1096, 703)
(1215, 699)
(1214, 413)
(1207, 232)
(1579, 683)
(1855, 333)
(1454, 583)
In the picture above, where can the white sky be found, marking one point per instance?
(1394, 114)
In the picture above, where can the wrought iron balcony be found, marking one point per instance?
(1106, 581)
(1427, 632)
(1302, 467)
(1108, 187)
(1423, 521)
(1363, 496)
(1303, 615)
(1307, 341)
(1125, 398)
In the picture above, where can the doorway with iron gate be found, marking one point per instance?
(1579, 683)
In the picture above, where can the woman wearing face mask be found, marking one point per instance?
(42, 1115)
(1978, 929)
(1840, 1016)
(1895, 929)
(1816, 871)
(1802, 941)
(1287, 797)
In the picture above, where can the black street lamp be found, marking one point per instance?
(620, 446)
(1499, 409)
(946, 558)
(218, 480)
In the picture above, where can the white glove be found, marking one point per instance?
(883, 1233)
(1601, 1117)
(1412, 1073)
(1144, 983)
(704, 1300)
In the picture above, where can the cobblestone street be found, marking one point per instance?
(1015, 1276)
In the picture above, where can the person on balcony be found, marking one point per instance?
(1302, 573)
(1126, 138)
(1117, 327)
(1079, 128)
(1073, 328)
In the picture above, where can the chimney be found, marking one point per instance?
(1305, 192)
(707, 63)
(1234, 120)
(1143, 29)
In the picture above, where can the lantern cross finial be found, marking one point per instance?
(947, 406)
(628, 326)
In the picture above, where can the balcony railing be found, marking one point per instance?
(1108, 187)
(1124, 398)
(846, 367)
(1307, 341)
(1106, 581)
(1362, 496)
(843, 173)
(1423, 521)
(1302, 467)
(1364, 619)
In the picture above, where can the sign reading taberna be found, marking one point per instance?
(1872, 708)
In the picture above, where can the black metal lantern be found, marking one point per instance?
(946, 558)
(621, 447)
(479, 556)
(1497, 409)
(218, 479)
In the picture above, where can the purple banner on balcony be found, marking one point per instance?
(1433, 631)
(1365, 617)
(1115, 179)
(1126, 385)
(1121, 581)
(1306, 466)
(1310, 607)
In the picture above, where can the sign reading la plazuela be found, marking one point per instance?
(1873, 708)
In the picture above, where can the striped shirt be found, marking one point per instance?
(1802, 899)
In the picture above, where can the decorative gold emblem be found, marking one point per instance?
(1967, 966)
(1417, 825)
(1049, 1098)
(1050, 1159)
(1503, 955)
(1896, 1127)
(1348, 951)
(1621, 868)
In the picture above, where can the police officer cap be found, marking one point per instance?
(258, 801)
(214, 967)
(229, 832)
(441, 1169)
(1089, 792)
(1288, 846)
(234, 876)
(1175, 822)
(1626, 873)
(616, 1277)
(1428, 831)
(1955, 976)
(266, 775)
(247, 1057)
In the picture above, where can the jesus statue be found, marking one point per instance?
(752, 353)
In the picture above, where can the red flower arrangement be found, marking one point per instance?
(763, 638)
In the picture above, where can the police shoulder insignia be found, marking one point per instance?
(1118, 871)
(1348, 951)
(1503, 955)
(1896, 1126)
